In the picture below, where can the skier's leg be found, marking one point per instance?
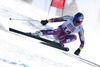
(45, 32)
(49, 32)
(67, 39)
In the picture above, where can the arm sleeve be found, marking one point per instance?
(60, 19)
(81, 36)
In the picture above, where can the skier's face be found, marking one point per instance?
(78, 22)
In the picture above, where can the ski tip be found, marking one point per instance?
(66, 49)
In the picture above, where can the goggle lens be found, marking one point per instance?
(78, 22)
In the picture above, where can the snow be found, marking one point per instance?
(22, 51)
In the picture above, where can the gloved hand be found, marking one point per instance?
(44, 22)
(77, 52)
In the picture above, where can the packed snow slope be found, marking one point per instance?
(22, 51)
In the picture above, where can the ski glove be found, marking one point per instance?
(77, 52)
(44, 22)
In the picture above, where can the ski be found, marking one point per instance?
(55, 45)
(43, 40)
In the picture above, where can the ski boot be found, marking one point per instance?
(37, 33)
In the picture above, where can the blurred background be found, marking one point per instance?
(90, 9)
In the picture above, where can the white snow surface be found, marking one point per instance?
(21, 51)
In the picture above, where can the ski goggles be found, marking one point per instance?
(77, 21)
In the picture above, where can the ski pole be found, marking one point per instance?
(23, 19)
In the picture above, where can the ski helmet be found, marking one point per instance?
(78, 18)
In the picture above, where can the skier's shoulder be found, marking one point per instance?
(68, 17)
(81, 27)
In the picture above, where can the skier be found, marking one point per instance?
(65, 32)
